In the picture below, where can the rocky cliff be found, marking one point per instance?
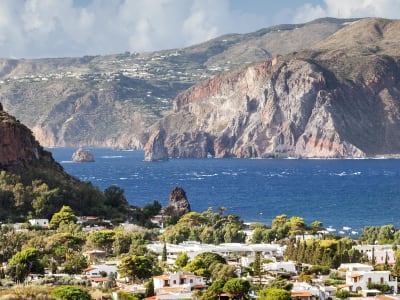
(110, 101)
(18, 147)
(339, 99)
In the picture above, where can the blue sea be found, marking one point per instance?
(340, 193)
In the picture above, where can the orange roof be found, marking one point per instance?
(301, 294)
(344, 286)
(163, 277)
(173, 289)
(384, 297)
(355, 275)
(150, 298)
(98, 279)
(89, 269)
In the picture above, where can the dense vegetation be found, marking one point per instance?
(22, 199)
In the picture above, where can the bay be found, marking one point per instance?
(350, 193)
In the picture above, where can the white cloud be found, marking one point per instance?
(349, 9)
(55, 28)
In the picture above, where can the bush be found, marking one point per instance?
(70, 293)
(125, 296)
(342, 294)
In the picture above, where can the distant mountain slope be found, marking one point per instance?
(340, 98)
(112, 100)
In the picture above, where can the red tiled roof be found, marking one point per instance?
(301, 294)
(90, 268)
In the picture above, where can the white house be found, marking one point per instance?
(97, 269)
(381, 253)
(355, 267)
(285, 266)
(42, 223)
(358, 276)
(179, 282)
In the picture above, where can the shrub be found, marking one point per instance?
(70, 293)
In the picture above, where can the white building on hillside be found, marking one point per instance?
(358, 276)
(381, 253)
(179, 282)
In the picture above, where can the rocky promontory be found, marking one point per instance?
(318, 103)
(82, 155)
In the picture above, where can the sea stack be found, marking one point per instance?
(82, 155)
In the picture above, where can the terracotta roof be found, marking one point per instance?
(355, 275)
(99, 279)
(200, 286)
(90, 268)
(174, 290)
(384, 297)
(344, 286)
(150, 298)
(163, 277)
(301, 294)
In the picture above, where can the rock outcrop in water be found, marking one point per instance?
(178, 203)
(82, 155)
(338, 100)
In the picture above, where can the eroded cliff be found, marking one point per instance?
(320, 103)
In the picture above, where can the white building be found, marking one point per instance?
(42, 223)
(179, 282)
(283, 266)
(358, 276)
(97, 269)
(381, 253)
(227, 250)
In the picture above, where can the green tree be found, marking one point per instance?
(274, 294)
(182, 260)
(70, 293)
(257, 265)
(64, 216)
(45, 200)
(75, 264)
(237, 287)
(24, 262)
(164, 253)
(201, 263)
(136, 267)
(103, 239)
(220, 271)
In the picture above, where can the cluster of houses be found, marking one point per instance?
(181, 284)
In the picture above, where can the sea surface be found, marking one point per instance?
(345, 195)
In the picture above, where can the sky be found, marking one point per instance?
(74, 28)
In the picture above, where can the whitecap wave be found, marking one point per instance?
(345, 174)
(111, 156)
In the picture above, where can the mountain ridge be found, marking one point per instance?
(110, 101)
(322, 102)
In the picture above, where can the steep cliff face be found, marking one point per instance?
(313, 104)
(18, 147)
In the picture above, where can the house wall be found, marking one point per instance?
(361, 282)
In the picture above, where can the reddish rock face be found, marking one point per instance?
(18, 147)
(17, 144)
(319, 103)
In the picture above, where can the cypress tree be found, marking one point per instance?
(164, 253)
